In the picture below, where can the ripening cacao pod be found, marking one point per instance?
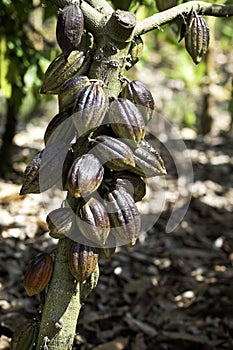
(45, 169)
(66, 168)
(124, 216)
(60, 70)
(38, 274)
(165, 4)
(70, 90)
(125, 119)
(132, 184)
(25, 336)
(113, 153)
(51, 169)
(70, 24)
(148, 161)
(87, 41)
(82, 260)
(60, 128)
(89, 108)
(135, 52)
(60, 222)
(197, 38)
(85, 175)
(89, 284)
(137, 92)
(106, 252)
(31, 182)
(93, 221)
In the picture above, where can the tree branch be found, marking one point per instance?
(92, 18)
(102, 6)
(161, 18)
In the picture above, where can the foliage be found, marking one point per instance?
(24, 52)
(23, 63)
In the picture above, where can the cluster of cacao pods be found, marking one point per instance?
(95, 148)
(106, 173)
(105, 165)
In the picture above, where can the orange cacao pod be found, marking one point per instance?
(38, 274)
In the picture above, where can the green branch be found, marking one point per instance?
(161, 18)
(92, 18)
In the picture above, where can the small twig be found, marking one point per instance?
(161, 18)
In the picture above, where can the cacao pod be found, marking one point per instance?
(60, 70)
(132, 184)
(90, 283)
(113, 153)
(66, 167)
(137, 92)
(38, 274)
(148, 161)
(70, 90)
(124, 216)
(197, 38)
(70, 24)
(165, 4)
(89, 108)
(106, 252)
(60, 128)
(25, 336)
(93, 221)
(135, 52)
(85, 175)
(51, 169)
(82, 260)
(60, 222)
(87, 41)
(31, 176)
(45, 169)
(126, 121)
(185, 25)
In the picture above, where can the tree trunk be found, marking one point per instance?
(6, 152)
(62, 305)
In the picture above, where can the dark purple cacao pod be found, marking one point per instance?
(70, 24)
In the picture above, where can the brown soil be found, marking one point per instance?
(170, 291)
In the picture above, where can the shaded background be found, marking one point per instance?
(170, 291)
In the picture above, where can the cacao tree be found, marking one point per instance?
(96, 150)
